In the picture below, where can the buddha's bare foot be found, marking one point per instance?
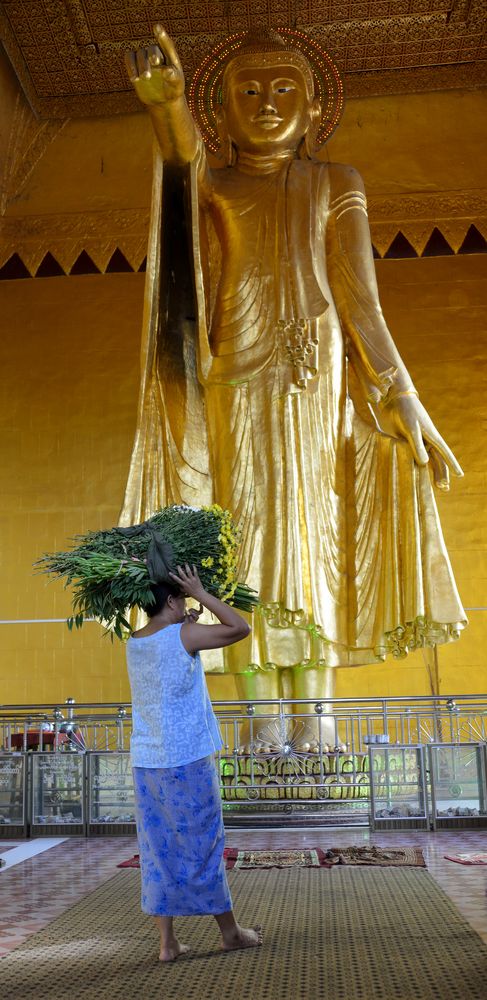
(171, 951)
(242, 937)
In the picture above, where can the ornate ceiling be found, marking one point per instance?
(68, 54)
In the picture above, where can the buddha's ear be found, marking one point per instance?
(307, 147)
(227, 150)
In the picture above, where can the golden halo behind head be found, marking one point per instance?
(205, 92)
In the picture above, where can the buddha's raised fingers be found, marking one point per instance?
(143, 65)
(167, 47)
(131, 66)
(156, 57)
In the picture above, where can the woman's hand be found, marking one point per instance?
(190, 582)
(406, 417)
(231, 628)
(156, 72)
(192, 615)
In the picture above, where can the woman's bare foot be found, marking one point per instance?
(242, 937)
(172, 950)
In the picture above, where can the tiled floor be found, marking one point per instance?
(41, 888)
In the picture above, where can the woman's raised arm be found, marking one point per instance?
(231, 628)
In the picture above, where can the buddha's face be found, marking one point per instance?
(267, 109)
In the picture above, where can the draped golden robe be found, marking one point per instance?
(264, 357)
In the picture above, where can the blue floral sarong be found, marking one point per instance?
(181, 839)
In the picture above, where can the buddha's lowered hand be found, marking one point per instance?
(405, 416)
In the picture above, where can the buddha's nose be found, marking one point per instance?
(268, 106)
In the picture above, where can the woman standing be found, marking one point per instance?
(175, 735)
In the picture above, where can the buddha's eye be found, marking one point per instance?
(250, 91)
(283, 85)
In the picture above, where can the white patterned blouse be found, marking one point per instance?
(173, 722)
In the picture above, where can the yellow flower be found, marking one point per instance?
(229, 593)
(208, 562)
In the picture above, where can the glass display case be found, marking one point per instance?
(110, 794)
(457, 773)
(13, 812)
(57, 794)
(45, 793)
(398, 797)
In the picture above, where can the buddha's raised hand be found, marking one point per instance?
(156, 72)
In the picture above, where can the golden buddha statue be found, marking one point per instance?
(271, 384)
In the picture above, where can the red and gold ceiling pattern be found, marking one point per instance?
(68, 54)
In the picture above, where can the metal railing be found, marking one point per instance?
(277, 755)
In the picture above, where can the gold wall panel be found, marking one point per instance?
(27, 142)
(69, 386)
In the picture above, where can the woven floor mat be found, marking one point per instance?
(345, 933)
(316, 858)
(259, 860)
(377, 856)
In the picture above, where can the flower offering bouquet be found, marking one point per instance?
(112, 571)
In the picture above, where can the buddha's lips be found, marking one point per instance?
(268, 120)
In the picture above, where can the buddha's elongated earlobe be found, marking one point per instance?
(227, 149)
(307, 147)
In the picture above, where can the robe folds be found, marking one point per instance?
(261, 368)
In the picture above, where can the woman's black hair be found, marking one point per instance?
(161, 592)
